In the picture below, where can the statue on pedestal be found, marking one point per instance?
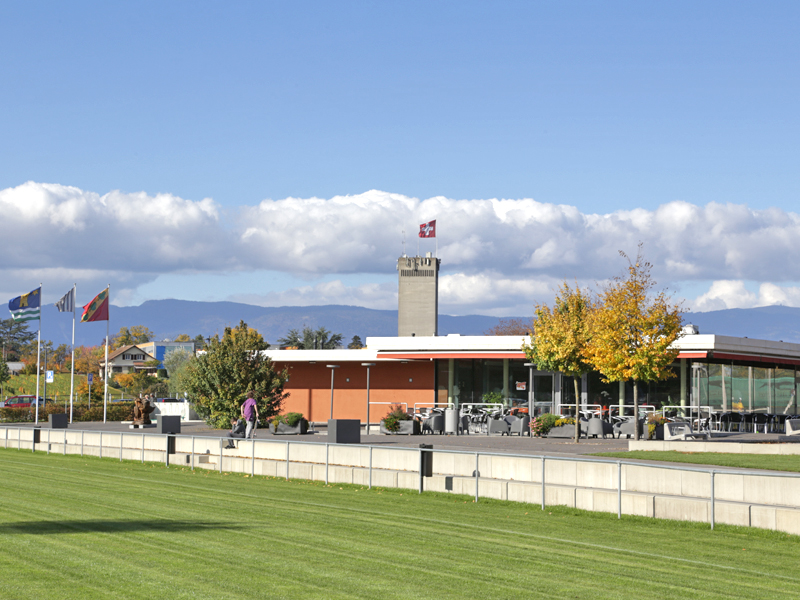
(141, 412)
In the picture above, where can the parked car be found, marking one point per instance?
(20, 401)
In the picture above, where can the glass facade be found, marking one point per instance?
(720, 386)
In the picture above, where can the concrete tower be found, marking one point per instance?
(418, 297)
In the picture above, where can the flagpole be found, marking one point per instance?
(72, 364)
(105, 370)
(38, 354)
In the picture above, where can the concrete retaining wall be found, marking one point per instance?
(756, 500)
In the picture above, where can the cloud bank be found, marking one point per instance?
(498, 255)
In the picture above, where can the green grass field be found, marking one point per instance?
(73, 527)
(26, 384)
(773, 462)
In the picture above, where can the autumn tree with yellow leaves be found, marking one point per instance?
(631, 330)
(560, 337)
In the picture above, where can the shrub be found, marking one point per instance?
(543, 423)
(392, 419)
(291, 419)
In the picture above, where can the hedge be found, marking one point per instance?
(116, 411)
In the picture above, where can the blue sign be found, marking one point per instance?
(48, 376)
(89, 379)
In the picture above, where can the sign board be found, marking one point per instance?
(48, 376)
(89, 379)
(522, 386)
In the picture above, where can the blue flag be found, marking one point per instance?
(26, 307)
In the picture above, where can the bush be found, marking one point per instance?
(117, 411)
(542, 424)
(290, 419)
(392, 419)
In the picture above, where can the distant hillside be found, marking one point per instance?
(765, 322)
(170, 318)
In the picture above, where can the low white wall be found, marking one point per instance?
(756, 500)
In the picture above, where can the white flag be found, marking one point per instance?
(67, 303)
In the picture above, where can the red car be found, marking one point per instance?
(22, 401)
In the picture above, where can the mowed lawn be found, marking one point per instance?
(73, 527)
(771, 462)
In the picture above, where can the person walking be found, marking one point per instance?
(249, 413)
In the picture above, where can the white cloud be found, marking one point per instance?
(497, 254)
(734, 294)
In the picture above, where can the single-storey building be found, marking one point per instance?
(717, 372)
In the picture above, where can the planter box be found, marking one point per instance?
(406, 428)
(658, 434)
(563, 431)
(284, 429)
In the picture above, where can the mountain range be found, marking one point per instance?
(169, 318)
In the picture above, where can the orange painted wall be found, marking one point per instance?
(309, 388)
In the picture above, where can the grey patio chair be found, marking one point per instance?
(433, 424)
(497, 426)
(598, 427)
(521, 426)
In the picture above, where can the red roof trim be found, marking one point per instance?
(432, 355)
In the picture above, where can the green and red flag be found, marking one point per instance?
(97, 309)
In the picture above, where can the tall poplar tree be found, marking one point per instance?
(633, 329)
(560, 337)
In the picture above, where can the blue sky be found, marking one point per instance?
(600, 106)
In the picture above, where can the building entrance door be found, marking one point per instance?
(542, 392)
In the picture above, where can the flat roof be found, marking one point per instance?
(387, 349)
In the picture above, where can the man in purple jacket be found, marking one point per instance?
(249, 412)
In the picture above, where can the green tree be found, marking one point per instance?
(312, 339)
(137, 334)
(14, 336)
(560, 337)
(632, 330)
(199, 342)
(355, 343)
(176, 363)
(219, 380)
(5, 375)
(183, 338)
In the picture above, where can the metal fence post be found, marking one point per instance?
(19, 438)
(142, 448)
(120, 446)
(542, 482)
(65, 442)
(166, 451)
(220, 456)
(326, 463)
(253, 460)
(6, 444)
(477, 474)
(370, 467)
(48, 441)
(619, 490)
(420, 470)
(287, 461)
(82, 443)
(101, 444)
(192, 459)
(712, 499)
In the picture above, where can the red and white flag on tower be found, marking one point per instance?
(428, 230)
